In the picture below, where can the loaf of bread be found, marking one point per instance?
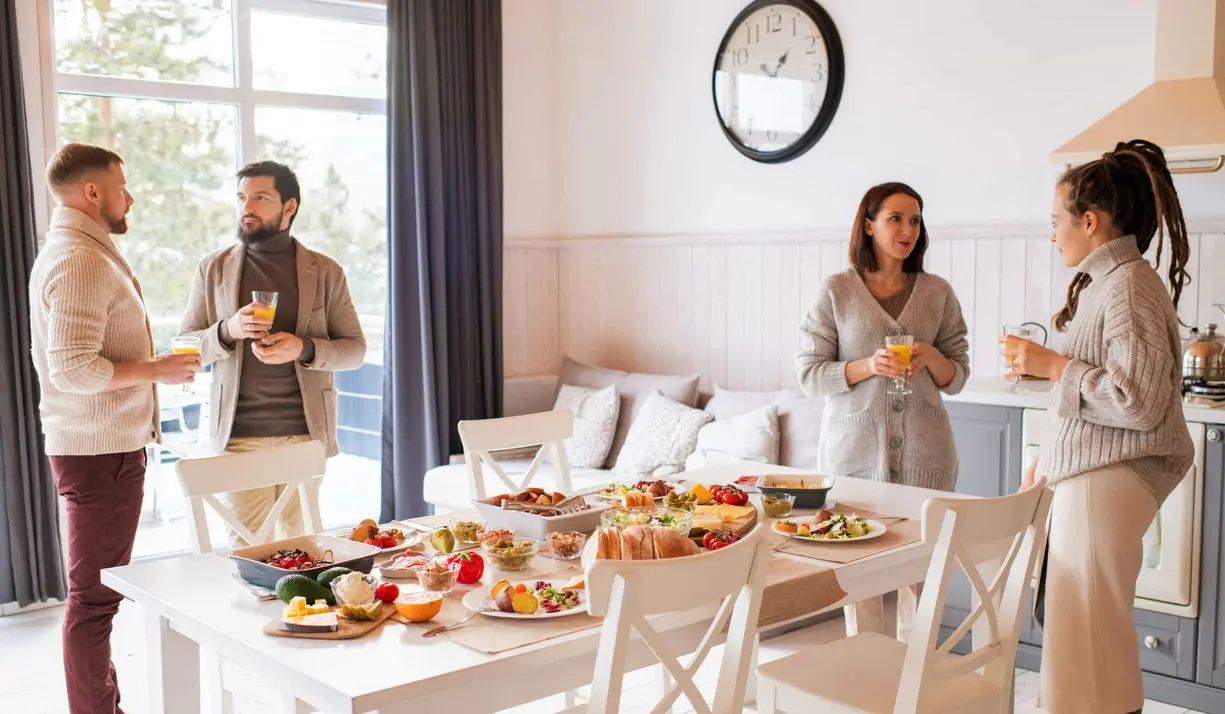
(642, 543)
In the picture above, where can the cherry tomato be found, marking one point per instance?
(387, 592)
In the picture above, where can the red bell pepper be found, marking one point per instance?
(471, 567)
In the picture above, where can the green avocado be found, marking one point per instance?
(326, 577)
(291, 586)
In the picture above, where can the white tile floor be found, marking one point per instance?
(33, 679)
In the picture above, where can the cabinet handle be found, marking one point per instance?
(1214, 435)
(1151, 642)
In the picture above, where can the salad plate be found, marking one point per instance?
(572, 602)
(841, 532)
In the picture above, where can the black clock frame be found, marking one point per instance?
(833, 88)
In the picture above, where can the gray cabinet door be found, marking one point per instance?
(1210, 654)
(988, 442)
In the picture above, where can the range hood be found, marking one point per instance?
(1183, 110)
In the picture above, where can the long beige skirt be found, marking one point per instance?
(1090, 656)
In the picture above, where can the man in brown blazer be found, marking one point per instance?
(273, 378)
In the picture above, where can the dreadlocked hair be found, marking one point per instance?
(1133, 185)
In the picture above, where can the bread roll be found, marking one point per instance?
(670, 544)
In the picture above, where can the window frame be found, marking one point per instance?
(43, 96)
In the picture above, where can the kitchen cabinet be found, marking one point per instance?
(1210, 657)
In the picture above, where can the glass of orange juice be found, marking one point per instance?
(264, 305)
(900, 346)
(185, 345)
(1027, 332)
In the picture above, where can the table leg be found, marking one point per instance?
(173, 666)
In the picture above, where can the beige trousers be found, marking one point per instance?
(868, 615)
(252, 506)
(1090, 655)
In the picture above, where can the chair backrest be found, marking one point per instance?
(1002, 536)
(626, 592)
(294, 465)
(548, 430)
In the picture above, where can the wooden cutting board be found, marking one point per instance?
(346, 630)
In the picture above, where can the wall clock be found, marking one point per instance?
(778, 78)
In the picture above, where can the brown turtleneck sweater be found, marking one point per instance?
(269, 397)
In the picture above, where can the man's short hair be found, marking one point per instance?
(72, 161)
(283, 177)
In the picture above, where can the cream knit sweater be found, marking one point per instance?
(1119, 400)
(86, 314)
(866, 433)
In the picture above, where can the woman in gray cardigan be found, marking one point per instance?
(868, 433)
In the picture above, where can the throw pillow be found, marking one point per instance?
(748, 437)
(662, 436)
(799, 420)
(633, 389)
(595, 422)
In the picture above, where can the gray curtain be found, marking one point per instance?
(443, 345)
(30, 568)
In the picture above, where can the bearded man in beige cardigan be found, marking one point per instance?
(93, 351)
(273, 380)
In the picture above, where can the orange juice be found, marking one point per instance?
(265, 312)
(903, 353)
(185, 350)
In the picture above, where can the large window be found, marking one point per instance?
(187, 91)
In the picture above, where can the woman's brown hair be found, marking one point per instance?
(1133, 185)
(862, 253)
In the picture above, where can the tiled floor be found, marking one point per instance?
(33, 679)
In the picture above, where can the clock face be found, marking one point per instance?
(778, 78)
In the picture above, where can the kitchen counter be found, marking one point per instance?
(990, 392)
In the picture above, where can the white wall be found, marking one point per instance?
(611, 129)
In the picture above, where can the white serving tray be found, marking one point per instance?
(539, 527)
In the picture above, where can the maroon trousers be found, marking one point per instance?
(104, 495)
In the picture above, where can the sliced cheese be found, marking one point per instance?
(311, 623)
(710, 523)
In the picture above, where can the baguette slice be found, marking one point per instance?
(636, 544)
(670, 544)
(608, 544)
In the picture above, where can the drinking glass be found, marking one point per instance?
(185, 345)
(1027, 332)
(900, 346)
(264, 306)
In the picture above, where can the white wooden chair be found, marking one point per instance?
(873, 673)
(548, 430)
(627, 593)
(294, 465)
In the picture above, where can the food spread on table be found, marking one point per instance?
(710, 517)
(297, 559)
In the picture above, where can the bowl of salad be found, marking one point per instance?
(674, 518)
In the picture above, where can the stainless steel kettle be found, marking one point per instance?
(1203, 354)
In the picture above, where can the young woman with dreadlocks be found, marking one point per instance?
(1118, 441)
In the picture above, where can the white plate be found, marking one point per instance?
(412, 538)
(618, 497)
(479, 598)
(878, 530)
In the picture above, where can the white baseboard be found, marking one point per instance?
(11, 608)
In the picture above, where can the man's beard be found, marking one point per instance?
(265, 229)
(116, 226)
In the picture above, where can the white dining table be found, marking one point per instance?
(193, 602)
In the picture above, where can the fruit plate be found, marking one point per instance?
(878, 530)
(618, 496)
(479, 600)
(413, 537)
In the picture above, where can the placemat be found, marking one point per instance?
(897, 534)
(346, 629)
(795, 589)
